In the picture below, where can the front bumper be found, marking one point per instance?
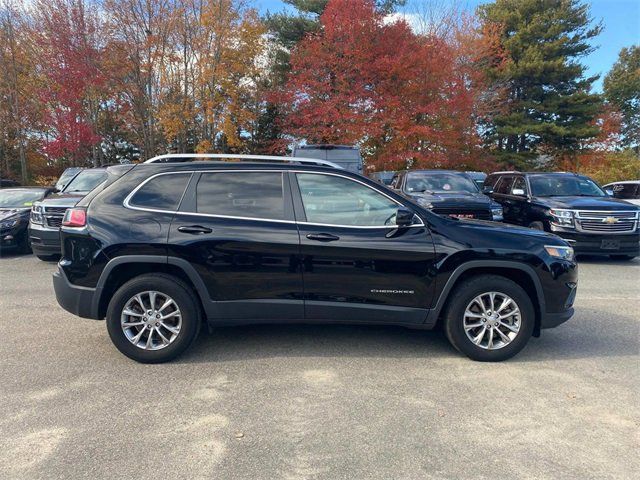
(81, 301)
(551, 320)
(44, 240)
(591, 243)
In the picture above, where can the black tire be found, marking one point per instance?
(168, 285)
(25, 246)
(464, 293)
(622, 257)
(47, 258)
(537, 226)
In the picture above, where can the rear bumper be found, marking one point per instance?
(591, 244)
(80, 301)
(44, 240)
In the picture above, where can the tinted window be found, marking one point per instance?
(504, 185)
(564, 185)
(339, 201)
(627, 191)
(440, 183)
(162, 192)
(241, 194)
(520, 184)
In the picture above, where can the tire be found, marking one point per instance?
(462, 297)
(25, 246)
(537, 226)
(169, 345)
(622, 257)
(47, 258)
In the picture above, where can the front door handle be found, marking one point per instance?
(194, 229)
(323, 237)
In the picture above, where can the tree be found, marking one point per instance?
(622, 90)
(549, 107)
(361, 79)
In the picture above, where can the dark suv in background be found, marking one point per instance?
(447, 192)
(46, 215)
(571, 206)
(160, 248)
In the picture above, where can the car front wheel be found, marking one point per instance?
(489, 318)
(153, 318)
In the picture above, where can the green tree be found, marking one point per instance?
(622, 89)
(549, 107)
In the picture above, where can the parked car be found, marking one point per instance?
(383, 177)
(447, 192)
(15, 205)
(628, 191)
(478, 177)
(160, 248)
(8, 183)
(68, 175)
(46, 215)
(346, 156)
(571, 206)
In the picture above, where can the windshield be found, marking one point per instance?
(564, 186)
(86, 180)
(19, 198)
(440, 183)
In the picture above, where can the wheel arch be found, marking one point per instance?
(122, 269)
(521, 274)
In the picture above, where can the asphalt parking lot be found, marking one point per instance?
(319, 402)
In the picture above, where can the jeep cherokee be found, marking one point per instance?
(162, 247)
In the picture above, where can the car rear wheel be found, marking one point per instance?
(153, 318)
(47, 258)
(623, 257)
(489, 318)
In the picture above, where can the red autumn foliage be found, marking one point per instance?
(407, 99)
(67, 37)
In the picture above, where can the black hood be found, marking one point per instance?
(454, 199)
(585, 203)
(6, 213)
(62, 199)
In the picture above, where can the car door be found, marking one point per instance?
(517, 201)
(358, 266)
(237, 229)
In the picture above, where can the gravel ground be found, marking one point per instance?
(319, 402)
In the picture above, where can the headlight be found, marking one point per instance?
(562, 217)
(37, 214)
(564, 253)
(496, 212)
(12, 222)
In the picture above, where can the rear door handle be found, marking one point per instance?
(323, 237)
(194, 229)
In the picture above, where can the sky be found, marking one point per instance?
(620, 18)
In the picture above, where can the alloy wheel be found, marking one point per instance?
(492, 320)
(151, 320)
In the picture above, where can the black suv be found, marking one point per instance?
(571, 206)
(447, 192)
(46, 215)
(160, 248)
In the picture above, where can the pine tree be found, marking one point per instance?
(549, 107)
(622, 90)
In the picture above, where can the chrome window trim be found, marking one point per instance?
(127, 201)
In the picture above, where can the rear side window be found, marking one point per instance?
(162, 192)
(504, 185)
(241, 194)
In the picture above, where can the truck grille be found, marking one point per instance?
(53, 216)
(477, 213)
(606, 222)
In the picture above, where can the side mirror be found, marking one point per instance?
(609, 192)
(487, 190)
(404, 217)
(518, 192)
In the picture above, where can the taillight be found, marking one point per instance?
(75, 217)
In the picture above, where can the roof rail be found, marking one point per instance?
(188, 157)
(506, 171)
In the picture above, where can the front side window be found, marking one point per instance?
(504, 185)
(162, 192)
(241, 194)
(626, 191)
(564, 186)
(519, 184)
(334, 200)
